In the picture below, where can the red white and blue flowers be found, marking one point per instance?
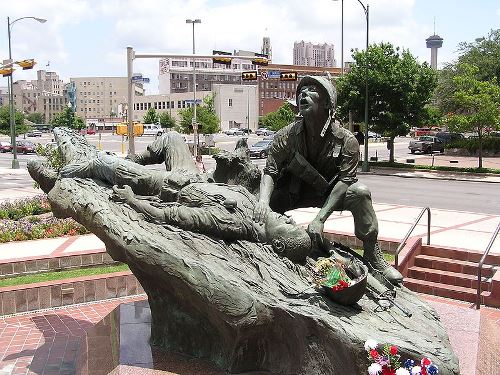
(386, 361)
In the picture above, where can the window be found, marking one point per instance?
(178, 104)
(230, 102)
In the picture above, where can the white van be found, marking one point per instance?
(152, 129)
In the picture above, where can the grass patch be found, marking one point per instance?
(387, 164)
(61, 275)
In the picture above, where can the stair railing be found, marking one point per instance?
(403, 242)
(480, 266)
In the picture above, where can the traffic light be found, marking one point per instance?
(288, 76)
(260, 59)
(222, 60)
(6, 72)
(26, 64)
(249, 76)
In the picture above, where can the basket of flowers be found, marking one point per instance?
(344, 284)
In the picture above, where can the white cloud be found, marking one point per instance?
(89, 37)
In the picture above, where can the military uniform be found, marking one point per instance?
(296, 186)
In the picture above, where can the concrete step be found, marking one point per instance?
(460, 254)
(452, 265)
(443, 290)
(449, 278)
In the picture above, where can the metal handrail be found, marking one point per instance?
(403, 242)
(480, 266)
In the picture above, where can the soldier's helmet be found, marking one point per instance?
(323, 82)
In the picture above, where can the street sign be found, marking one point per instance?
(191, 101)
(273, 74)
(137, 78)
(145, 80)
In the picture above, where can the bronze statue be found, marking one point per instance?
(192, 203)
(213, 294)
(313, 163)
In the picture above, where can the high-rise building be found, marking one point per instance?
(44, 95)
(176, 74)
(267, 49)
(319, 55)
(101, 97)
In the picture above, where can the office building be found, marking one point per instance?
(318, 55)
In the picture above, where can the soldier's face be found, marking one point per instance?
(311, 100)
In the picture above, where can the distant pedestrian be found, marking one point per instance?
(199, 164)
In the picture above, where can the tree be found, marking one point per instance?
(36, 118)
(280, 118)
(399, 89)
(208, 120)
(483, 53)
(166, 120)
(476, 104)
(68, 119)
(151, 117)
(21, 128)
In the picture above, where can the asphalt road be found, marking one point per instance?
(467, 196)
(444, 194)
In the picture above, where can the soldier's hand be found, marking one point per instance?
(315, 230)
(260, 212)
(122, 195)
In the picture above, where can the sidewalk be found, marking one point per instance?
(452, 229)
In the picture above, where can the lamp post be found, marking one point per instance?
(366, 165)
(341, 38)
(195, 124)
(15, 162)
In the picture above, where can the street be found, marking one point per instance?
(454, 195)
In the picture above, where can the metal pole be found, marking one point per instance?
(130, 109)
(366, 165)
(195, 124)
(342, 41)
(15, 162)
(248, 109)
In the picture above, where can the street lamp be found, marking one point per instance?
(195, 124)
(15, 162)
(366, 166)
(341, 38)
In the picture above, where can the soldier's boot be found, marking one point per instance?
(374, 256)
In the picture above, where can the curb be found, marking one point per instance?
(443, 175)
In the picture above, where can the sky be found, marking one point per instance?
(83, 38)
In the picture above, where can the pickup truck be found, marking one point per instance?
(426, 144)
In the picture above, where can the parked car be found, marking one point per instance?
(446, 137)
(153, 129)
(263, 131)
(34, 133)
(5, 147)
(261, 148)
(25, 147)
(234, 131)
(373, 135)
(246, 131)
(426, 144)
(90, 131)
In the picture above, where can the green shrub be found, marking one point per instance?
(491, 144)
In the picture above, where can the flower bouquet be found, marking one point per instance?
(339, 282)
(386, 361)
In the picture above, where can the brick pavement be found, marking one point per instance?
(50, 341)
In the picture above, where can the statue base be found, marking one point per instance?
(120, 344)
